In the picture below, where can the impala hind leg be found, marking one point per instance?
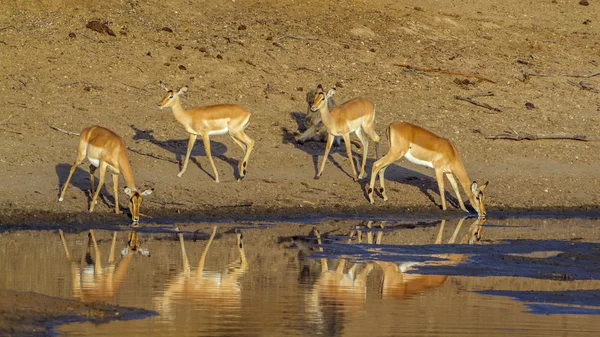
(190, 146)
(206, 140)
(365, 144)
(330, 138)
(456, 191)
(80, 158)
(247, 144)
(378, 169)
(346, 138)
(102, 167)
(92, 178)
(439, 176)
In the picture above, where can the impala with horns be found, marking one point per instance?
(106, 150)
(424, 148)
(356, 115)
(211, 120)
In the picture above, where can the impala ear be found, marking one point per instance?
(162, 85)
(482, 187)
(319, 87)
(331, 92)
(181, 91)
(147, 192)
(127, 191)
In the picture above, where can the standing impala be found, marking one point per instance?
(422, 147)
(356, 115)
(105, 149)
(211, 120)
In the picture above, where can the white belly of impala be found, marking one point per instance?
(219, 132)
(417, 161)
(94, 162)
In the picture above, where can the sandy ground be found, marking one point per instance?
(265, 56)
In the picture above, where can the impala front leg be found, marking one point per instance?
(346, 137)
(191, 142)
(103, 166)
(206, 140)
(116, 191)
(439, 176)
(330, 138)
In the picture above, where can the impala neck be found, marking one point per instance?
(461, 174)
(125, 169)
(178, 110)
(326, 115)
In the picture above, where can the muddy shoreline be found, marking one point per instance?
(34, 314)
(153, 218)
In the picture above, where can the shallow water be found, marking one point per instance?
(435, 278)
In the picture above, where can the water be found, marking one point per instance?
(353, 278)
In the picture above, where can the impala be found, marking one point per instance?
(94, 282)
(105, 149)
(211, 120)
(422, 147)
(218, 291)
(356, 115)
(400, 279)
(314, 125)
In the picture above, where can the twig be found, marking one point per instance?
(239, 204)
(483, 105)
(308, 69)
(309, 38)
(482, 94)
(527, 75)
(133, 86)
(584, 86)
(64, 131)
(11, 131)
(155, 156)
(513, 135)
(443, 71)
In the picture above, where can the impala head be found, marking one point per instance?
(478, 198)
(135, 200)
(476, 231)
(170, 96)
(321, 98)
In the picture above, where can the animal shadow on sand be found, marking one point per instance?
(81, 181)
(316, 149)
(404, 176)
(179, 148)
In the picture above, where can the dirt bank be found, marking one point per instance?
(265, 55)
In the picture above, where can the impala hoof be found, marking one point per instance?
(317, 177)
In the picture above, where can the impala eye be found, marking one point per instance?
(170, 96)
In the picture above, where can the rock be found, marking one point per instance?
(100, 27)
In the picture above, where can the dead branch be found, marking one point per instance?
(527, 75)
(584, 86)
(64, 131)
(513, 135)
(483, 105)
(443, 71)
